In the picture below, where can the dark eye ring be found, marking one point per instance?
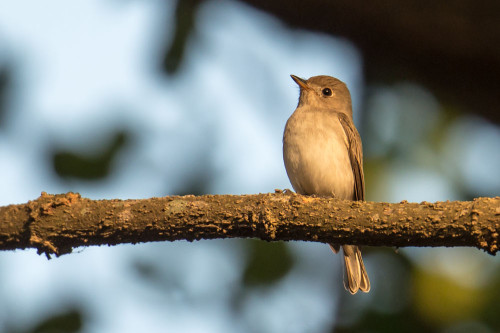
(327, 92)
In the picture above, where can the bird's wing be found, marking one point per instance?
(355, 155)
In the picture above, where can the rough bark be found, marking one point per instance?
(55, 224)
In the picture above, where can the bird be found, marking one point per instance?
(323, 156)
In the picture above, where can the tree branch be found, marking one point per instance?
(55, 224)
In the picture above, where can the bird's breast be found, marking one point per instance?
(315, 152)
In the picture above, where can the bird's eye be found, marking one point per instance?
(327, 92)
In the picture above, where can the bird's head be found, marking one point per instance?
(324, 92)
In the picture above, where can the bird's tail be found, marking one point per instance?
(355, 276)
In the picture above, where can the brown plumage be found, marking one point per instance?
(323, 155)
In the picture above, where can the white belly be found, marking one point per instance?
(316, 156)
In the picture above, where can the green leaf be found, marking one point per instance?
(267, 263)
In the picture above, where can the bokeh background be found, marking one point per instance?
(135, 99)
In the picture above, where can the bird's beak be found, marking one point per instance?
(301, 82)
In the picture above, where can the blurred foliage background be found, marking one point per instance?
(134, 99)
